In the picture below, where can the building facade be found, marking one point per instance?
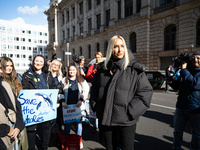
(21, 42)
(154, 30)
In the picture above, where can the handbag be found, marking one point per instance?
(5, 118)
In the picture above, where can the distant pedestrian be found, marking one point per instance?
(83, 69)
(120, 94)
(93, 67)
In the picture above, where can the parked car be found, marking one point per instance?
(156, 78)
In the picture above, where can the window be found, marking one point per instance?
(53, 23)
(133, 42)
(53, 37)
(17, 47)
(74, 32)
(128, 8)
(107, 17)
(35, 41)
(16, 38)
(98, 2)
(28, 31)
(98, 20)
(170, 37)
(138, 6)
(73, 51)
(73, 13)
(81, 8)
(29, 40)
(81, 28)
(17, 55)
(68, 33)
(29, 48)
(81, 51)
(198, 34)
(9, 29)
(45, 34)
(89, 51)
(23, 56)
(63, 35)
(40, 33)
(22, 31)
(98, 47)
(119, 9)
(23, 39)
(164, 2)
(68, 16)
(89, 25)
(89, 4)
(63, 18)
(23, 47)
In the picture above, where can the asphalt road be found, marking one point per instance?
(154, 129)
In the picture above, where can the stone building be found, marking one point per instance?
(154, 30)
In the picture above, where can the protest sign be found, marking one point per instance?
(38, 105)
(75, 114)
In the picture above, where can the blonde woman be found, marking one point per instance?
(120, 94)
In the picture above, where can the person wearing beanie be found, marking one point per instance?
(188, 104)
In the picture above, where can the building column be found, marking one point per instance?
(65, 25)
(122, 9)
(56, 26)
(102, 16)
(84, 19)
(134, 6)
(145, 8)
(76, 23)
(70, 22)
(113, 14)
(93, 19)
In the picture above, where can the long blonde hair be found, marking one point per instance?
(110, 51)
(59, 73)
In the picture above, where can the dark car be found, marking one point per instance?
(156, 78)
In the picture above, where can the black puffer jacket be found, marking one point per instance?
(120, 99)
(29, 83)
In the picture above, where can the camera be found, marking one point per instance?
(183, 57)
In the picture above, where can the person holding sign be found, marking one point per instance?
(120, 94)
(11, 122)
(76, 90)
(38, 77)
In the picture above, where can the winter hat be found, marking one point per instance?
(196, 53)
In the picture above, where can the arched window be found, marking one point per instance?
(89, 51)
(198, 34)
(98, 47)
(73, 51)
(170, 37)
(105, 47)
(81, 51)
(133, 42)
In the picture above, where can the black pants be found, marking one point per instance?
(44, 131)
(118, 136)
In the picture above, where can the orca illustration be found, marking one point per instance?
(46, 98)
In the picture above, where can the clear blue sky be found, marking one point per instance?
(28, 11)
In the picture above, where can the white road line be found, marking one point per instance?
(163, 106)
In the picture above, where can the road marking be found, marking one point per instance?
(163, 106)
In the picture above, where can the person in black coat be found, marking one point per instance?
(120, 94)
(38, 77)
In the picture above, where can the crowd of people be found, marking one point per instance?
(117, 89)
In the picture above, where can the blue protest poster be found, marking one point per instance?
(38, 105)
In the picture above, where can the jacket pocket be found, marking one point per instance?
(119, 114)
